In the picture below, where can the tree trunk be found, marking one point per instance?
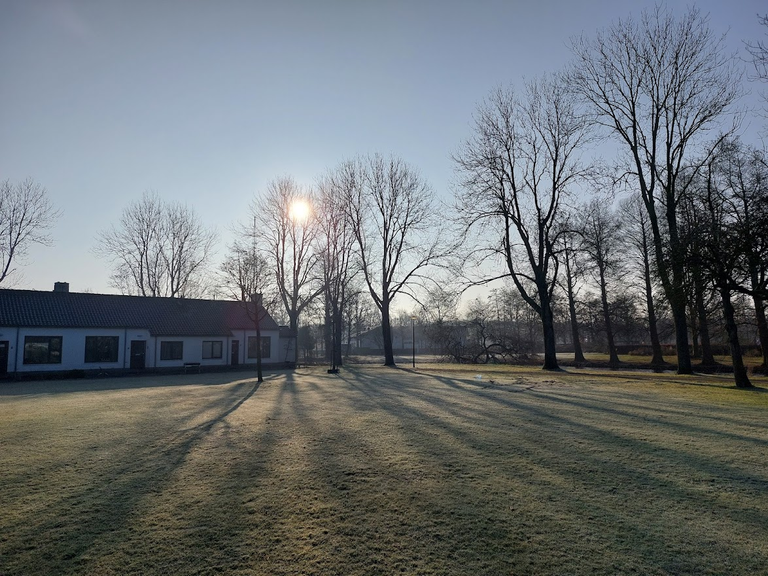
(676, 293)
(707, 357)
(548, 327)
(657, 359)
(613, 357)
(386, 333)
(739, 370)
(259, 374)
(578, 353)
(337, 333)
(762, 329)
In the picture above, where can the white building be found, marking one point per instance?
(61, 331)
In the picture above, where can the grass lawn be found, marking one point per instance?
(494, 471)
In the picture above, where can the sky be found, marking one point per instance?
(207, 102)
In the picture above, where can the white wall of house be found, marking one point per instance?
(192, 350)
(274, 347)
(73, 349)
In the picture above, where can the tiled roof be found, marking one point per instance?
(162, 316)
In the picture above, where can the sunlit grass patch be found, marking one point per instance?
(384, 471)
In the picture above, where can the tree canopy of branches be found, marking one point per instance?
(759, 52)
(657, 85)
(26, 214)
(515, 172)
(396, 226)
(158, 249)
(286, 230)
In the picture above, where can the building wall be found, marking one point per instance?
(73, 345)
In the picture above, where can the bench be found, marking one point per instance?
(188, 365)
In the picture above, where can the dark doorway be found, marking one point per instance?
(138, 354)
(235, 352)
(3, 358)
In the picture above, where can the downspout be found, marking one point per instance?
(125, 345)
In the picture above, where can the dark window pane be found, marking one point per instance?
(266, 346)
(42, 349)
(101, 348)
(171, 350)
(212, 349)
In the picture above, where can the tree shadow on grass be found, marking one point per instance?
(88, 520)
(614, 475)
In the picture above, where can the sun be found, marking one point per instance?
(299, 211)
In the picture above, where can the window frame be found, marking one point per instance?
(211, 355)
(113, 349)
(168, 350)
(47, 340)
(266, 347)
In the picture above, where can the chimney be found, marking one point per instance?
(61, 287)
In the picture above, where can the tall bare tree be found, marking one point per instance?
(246, 277)
(638, 234)
(600, 240)
(657, 85)
(515, 172)
(397, 231)
(572, 272)
(720, 250)
(744, 173)
(26, 215)
(335, 241)
(158, 249)
(286, 230)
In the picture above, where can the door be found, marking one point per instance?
(138, 354)
(3, 358)
(235, 352)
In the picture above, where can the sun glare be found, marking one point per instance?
(299, 211)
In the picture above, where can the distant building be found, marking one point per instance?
(60, 331)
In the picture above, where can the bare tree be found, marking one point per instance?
(158, 249)
(657, 85)
(397, 231)
(572, 274)
(246, 276)
(439, 311)
(26, 214)
(287, 230)
(515, 172)
(336, 240)
(693, 225)
(638, 235)
(744, 173)
(601, 241)
(720, 251)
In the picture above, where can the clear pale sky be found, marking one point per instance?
(206, 102)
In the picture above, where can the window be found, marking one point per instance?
(212, 349)
(171, 350)
(101, 348)
(266, 346)
(42, 349)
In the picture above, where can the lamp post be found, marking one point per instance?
(413, 341)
